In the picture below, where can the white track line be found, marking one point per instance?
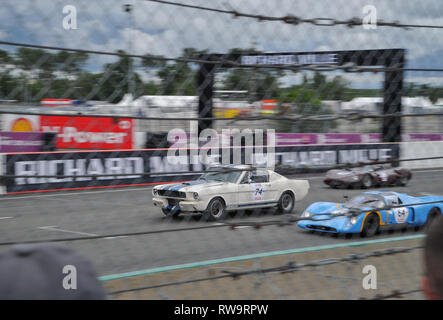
(116, 237)
(2, 218)
(56, 228)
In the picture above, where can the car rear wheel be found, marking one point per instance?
(371, 225)
(366, 181)
(215, 211)
(286, 203)
(334, 184)
(402, 180)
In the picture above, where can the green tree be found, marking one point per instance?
(70, 62)
(179, 78)
(36, 59)
(116, 80)
(5, 57)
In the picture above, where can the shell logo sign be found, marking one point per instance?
(21, 123)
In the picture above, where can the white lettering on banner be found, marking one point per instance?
(159, 164)
(24, 168)
(76, 168)
(71, 134)
(327, 157)
(364, 155)
(53, 170)
(291, 59)
(68, 167)
(133, 165)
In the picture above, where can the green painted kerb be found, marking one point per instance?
(254, 256)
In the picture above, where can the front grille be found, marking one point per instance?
(173, 194)
(324, 228)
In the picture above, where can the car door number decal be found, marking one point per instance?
(401, 215)
(383, 176)
(258, 191)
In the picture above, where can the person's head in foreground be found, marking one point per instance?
(432, 282)
(47, 271)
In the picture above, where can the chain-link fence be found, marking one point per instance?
(96, 94)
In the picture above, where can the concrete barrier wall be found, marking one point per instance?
(423, 149)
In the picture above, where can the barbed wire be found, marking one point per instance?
(324, 117)
(295, 20)
(395, 294)
(285, 268)
(224, 62)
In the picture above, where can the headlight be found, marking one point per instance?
(154, 192)
(195, 195)
(353, 220)
(306, 214)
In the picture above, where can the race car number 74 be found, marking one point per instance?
(258, 191)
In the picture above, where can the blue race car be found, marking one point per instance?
(369, 211)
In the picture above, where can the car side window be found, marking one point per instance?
(393, 200)
(260, 176)
(245, 178)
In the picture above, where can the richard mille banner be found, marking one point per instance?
(30, 172)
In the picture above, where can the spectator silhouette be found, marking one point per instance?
(49, 272)
(432, 282)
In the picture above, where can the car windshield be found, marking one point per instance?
(365, 200)
(228, 176)
(364, 168)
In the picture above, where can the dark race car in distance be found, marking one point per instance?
(368, 176)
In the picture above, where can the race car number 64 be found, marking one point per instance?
(401, 214)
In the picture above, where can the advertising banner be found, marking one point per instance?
(20, 123)
(22, 141)
(122, 168)
(287, 139)
(89, 132)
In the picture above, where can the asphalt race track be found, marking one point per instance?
(115, 211)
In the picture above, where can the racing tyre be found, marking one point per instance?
(334, 185)
(286, 203)
(371, 225)
(431, 217)
(366, 181)
(170, 213)
(215, 211)
(402, 181)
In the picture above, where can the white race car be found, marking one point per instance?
(230, 188)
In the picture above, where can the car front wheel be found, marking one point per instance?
(366, 181)
(371, 225)
(215, 211)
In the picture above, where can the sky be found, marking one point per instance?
(160, 29)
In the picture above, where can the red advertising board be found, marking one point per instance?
(89, 132)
